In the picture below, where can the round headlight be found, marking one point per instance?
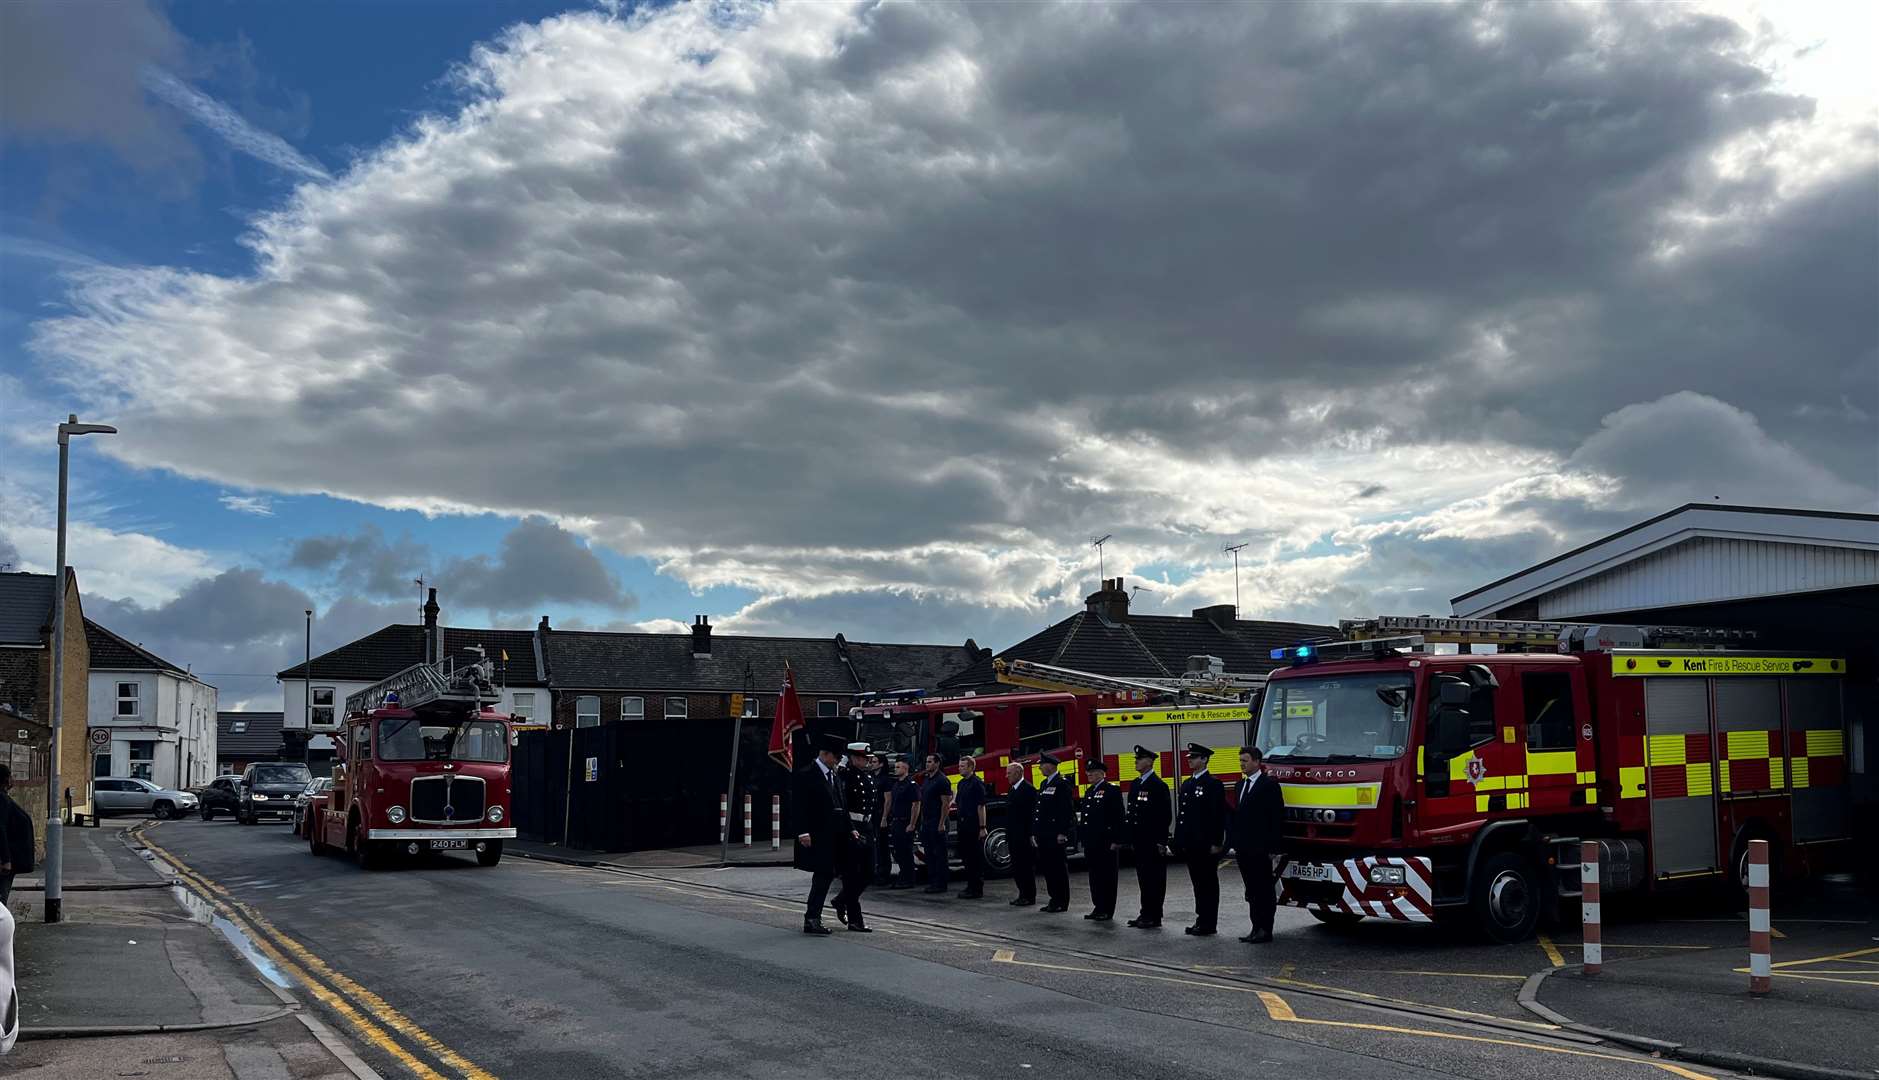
(495, 813)
(396, 815)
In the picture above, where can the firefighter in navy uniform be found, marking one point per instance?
(1200, 835)
(1150, 815)
(861, 798)
(1100, 828)
(1051, 826)
(883, 840)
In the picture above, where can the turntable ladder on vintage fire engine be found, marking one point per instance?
(444, 686)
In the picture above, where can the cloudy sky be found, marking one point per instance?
(814, 317)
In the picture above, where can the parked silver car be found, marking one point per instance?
(128, 795)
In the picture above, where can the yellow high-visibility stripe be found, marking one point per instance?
(1696, 779)
(1664, 750)
(1722, 769)
(1552, 762)
(1747, 745)
(1346, 796)
(1797, 771)
(1777, 772)
(1631, 782)
(1826, 742)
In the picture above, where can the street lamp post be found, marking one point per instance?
(306, 693)
(55, 838)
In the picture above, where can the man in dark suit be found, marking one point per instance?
(1100, 829)
(822, 828)
(1199, 828)
(1258, 820)
(1150, 814)
(1056, 815)
(1020, 805)
(16, 836)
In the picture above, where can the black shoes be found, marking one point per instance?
(1200, 931)
(841, 915)
(1099, 916)
(1145, 924)
(815, 927)
(856, 928)
(1054, 909)
(1258, 937)
(1024, 901)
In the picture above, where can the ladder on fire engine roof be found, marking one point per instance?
(445, 686)
(1206, 684)
(1531, 632)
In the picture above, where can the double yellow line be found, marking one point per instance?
(351, 1001)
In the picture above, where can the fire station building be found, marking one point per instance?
(1803, 580)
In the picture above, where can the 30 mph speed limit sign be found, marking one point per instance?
(100, 738)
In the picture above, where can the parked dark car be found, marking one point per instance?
(221, 795)
(310, 796)
(268, 789)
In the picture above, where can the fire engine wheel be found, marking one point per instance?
(313, 839)
(997, 852)
(1506, 899)
(364, 851)
(490, 855)
(1336, 920)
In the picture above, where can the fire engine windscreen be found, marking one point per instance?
(1336, 719)
(405, 738)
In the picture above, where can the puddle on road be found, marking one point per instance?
(200, 911)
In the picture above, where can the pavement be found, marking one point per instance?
(1694, 994)
(136, 982)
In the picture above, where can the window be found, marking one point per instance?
(1040, 728)
(828, 707)
(632, 708)
(322, 706)
(676, 708)
(127, 699)
(587, 711)
(971, 737)
(1547, 699)
(238, 727)
(1345, 718)
(524, 708)
(1481, 727)
(143, 754)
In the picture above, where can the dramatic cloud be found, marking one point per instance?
(901, 303)
(539, 563)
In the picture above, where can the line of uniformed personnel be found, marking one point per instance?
(853, 821)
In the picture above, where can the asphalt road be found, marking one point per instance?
(531, 969)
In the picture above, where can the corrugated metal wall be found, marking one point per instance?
(1707, 570)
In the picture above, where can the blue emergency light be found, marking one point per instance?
(1375, 648)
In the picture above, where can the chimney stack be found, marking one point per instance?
(433, 641)
(543, 627)
(701, 638)
(1110, 603)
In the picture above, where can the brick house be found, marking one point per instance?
(26, 640)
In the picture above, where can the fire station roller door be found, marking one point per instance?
(1681, 780)
(1817, 759)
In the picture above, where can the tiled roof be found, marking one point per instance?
(388, 651)
(1148, 646)
(112, 653)
(262, 737)
(897, 667)
(25, 607)
(599, 660)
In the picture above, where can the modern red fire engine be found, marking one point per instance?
(1421, 785)
(424, 767)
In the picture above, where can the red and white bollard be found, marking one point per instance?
(776, 822)
(1761, 959)
(1591, 937)
(724, 817)
(747, 832)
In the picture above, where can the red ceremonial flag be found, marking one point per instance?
(788, 722)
